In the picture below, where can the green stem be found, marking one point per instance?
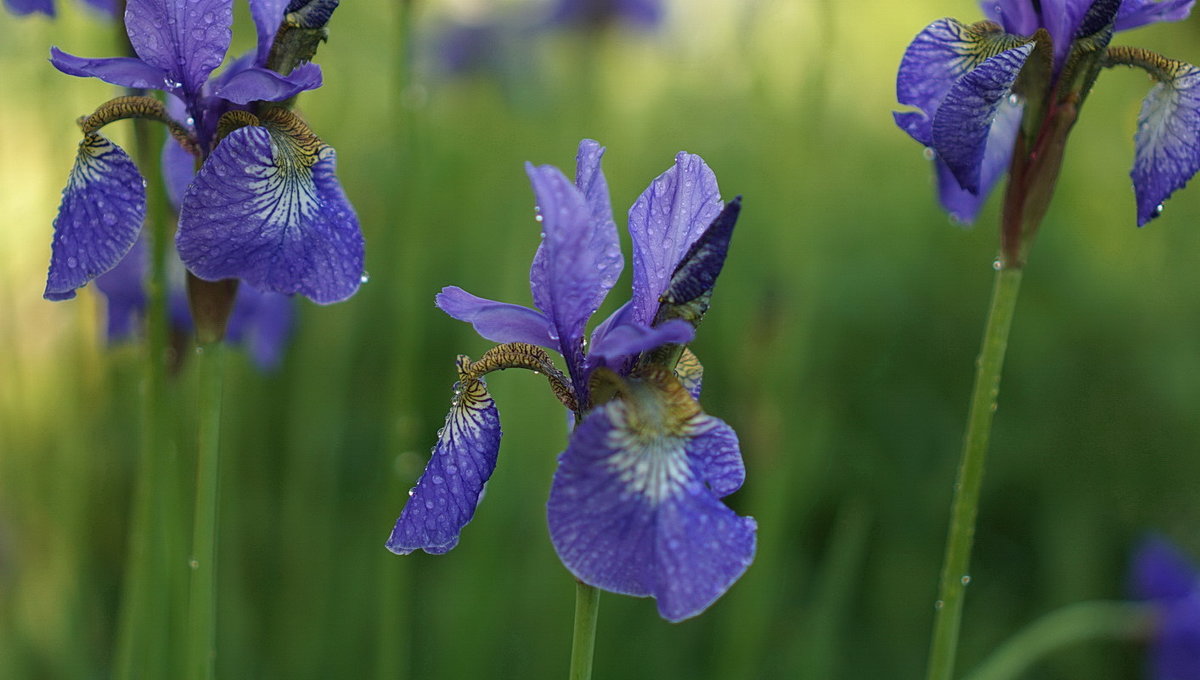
(202, 596)
(583, 642)
(1071, 624)
(944, 643)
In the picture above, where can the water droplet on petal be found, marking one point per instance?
(364, 278)
(1013, 99)
(929, 153)
(72, 262)
(1158, 209)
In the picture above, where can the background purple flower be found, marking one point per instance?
(1165, 577)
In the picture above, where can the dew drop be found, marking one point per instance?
(938, 605)
(966, 579)
(72, 262)
(929, 153)
(1158, 209)
(364, 278)
(412, 491)
(997, 264)
(194, 563)
(1013, 99)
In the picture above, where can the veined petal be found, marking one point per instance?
(664, 222)
(268, 15)
(497, 321)
(263, 322)
(1167, 140)
(102, 209)
(124, 290)
(267, 208)
(629, 508)
(444, 500)
(963, 122)
(1134, 13)
(690, 373)
(185, 38)
(962, 205)
(122, 71)
(260, 84)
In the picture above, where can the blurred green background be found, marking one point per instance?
(840, 345)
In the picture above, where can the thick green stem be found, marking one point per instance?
(1067, 626)
(202, 596)
(583, 642)
(944, 643)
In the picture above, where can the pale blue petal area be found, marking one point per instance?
(962, 125)
(267, 208)
(24, 7)
(260, 84)
(268, 15)
(178, 169)
(124, 291)
(1167, 141)
(185, 38)
(262, 322)
(101, 214)
(1134, 13)
(630, 513)
(664, 222)
(962, 205)
(631, 339)
(445, 498)
(1016, 16)
(122, 71)
(497, 321)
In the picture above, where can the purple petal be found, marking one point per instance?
(260, 84)
(1016, 16)
(124, 290)
(497, 321)
(122, 71)
(312, 14)
(178, 169)
(664, 222)
(631, 339)
(692, 283)
(445, 498)
(185, 38)
(111, 8)
(1175, 649)
(963, 122)
(1134, 13)
(1162, 572)
(262, 321)
(1167, 140)
(629, 510)
(267, 208)
(102, 209)
(268, 15)
(24, 7)
(962, 205)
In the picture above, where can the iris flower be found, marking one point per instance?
(635, 505)
(1163, 576)
(265, 206)
(23, 7)
(1001, 95)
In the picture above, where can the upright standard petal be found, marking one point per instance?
(268, 15)
(267, 208)
(962, 205)
(963, 122)
(634, 507)
(664, 222)
(497, 321)
(185, 38)
(1134, 13)
(1168, 138)
(101, 214)
(122, 71)
(444, 500)
(1016, 16)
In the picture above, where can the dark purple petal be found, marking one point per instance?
(1134, 13)
(1016, 16)
(185, 38)
(629, 510)
(312, 13)
(1167, 140)
(178, 169)
(122, 71)
(1175, 649)
(691, 285)
(260, 84)
(102, 209)
(631, 339)
(1162, 572)
(962, 205)
(963, 122)
(268, 209)
(444, 500)
(23, 7)
(123, 287)
(664, 222)
(268, 14)
(497, 321)
(263, 322)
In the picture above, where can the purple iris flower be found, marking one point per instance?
(265, 206)
(24, 7)
(1163, 576)
(1017, 81)
(586, 13)
(635, 503)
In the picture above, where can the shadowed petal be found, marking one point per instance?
(102, 209)
(691, 286)
(1167, 139)
(1134, 13)
(263, 322)
(1016, 16)
(267, 208)
(178, 169)
(464, 458)
(185, 38)
(123, 71)
(260, 84)
(629, 510)
(125, 293)
(964, 120)
(497, 321)
(268, 14)
(664, 222)
(1162, 572)
(631, 339)
(962, 205)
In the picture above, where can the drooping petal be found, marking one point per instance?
(497, 321)
(124, 290)
(268, 14)
(1134, 13)
(263, 322)
(449, 490)
(1168, 139)
(962, 205)
(629, 508)
(631, 339)
(102, 209)
(260, 84)
(963, 122)
(1162, 572)
(23, 7)
(664, 222)
(267, 208)
(122, 71)
(185, 38)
